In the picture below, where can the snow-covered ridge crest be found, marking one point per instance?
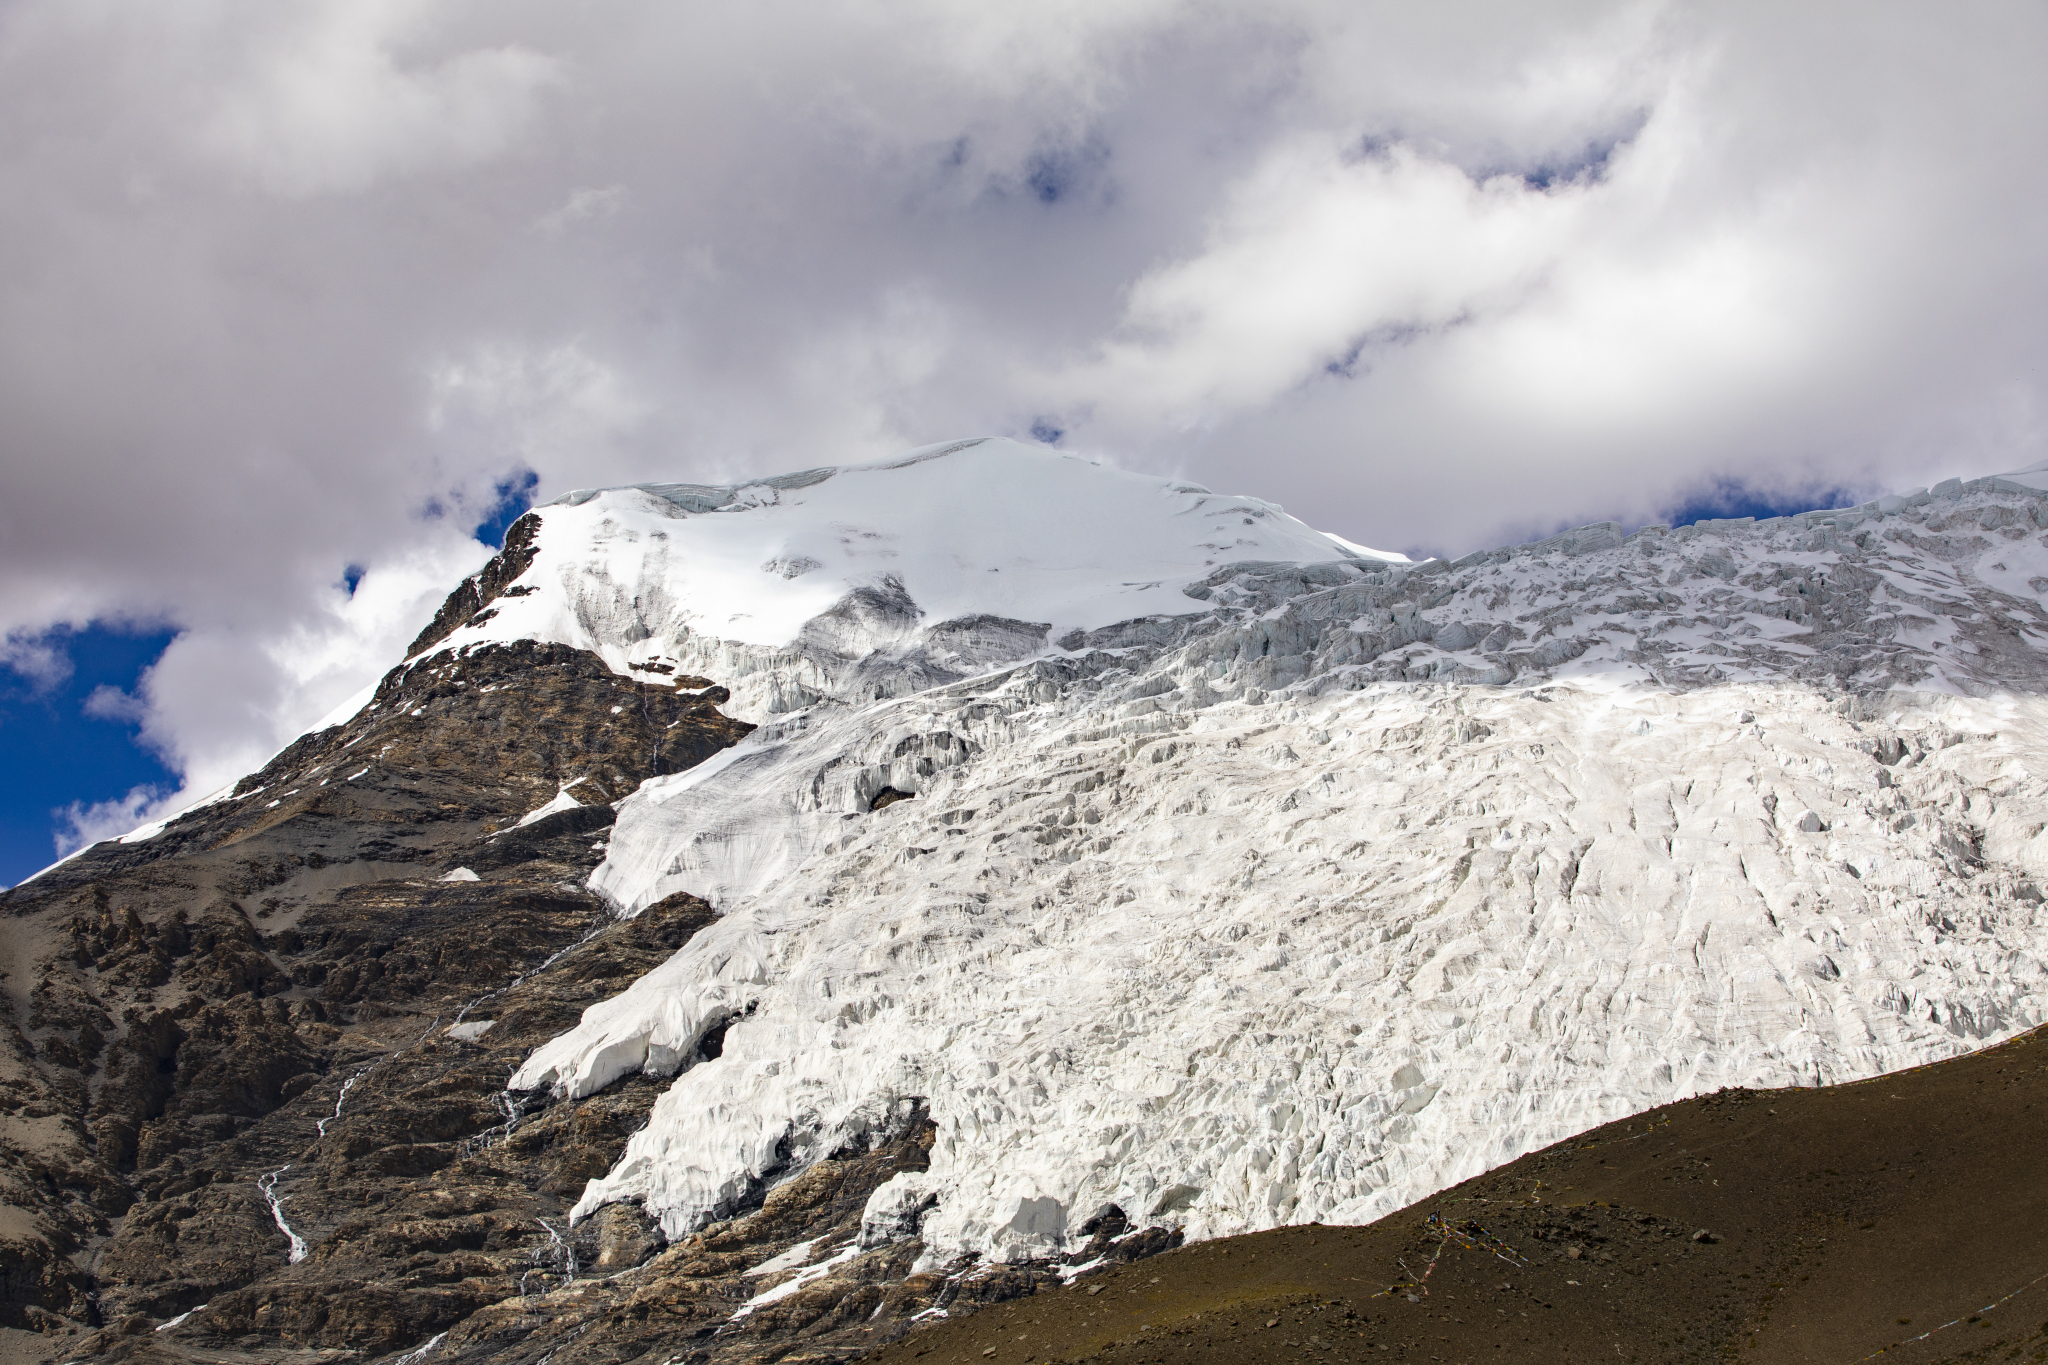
(879, 579)
(1289, 908)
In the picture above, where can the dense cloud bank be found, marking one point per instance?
(290, 290)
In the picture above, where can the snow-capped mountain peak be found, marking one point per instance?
(945, 535)
(1227, 879)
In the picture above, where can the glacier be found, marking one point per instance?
(1177, 857)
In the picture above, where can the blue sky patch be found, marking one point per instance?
(514, 498)
(53, 753)
(1730, 498)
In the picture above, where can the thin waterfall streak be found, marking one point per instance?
(268, 1188)
(552, 1257)
(340, 1098)
(421, 1353)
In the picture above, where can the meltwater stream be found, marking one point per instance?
(556, 1255)
(342, 1098)
(268, 1187)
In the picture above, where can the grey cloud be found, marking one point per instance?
(44, 665)
(111, 703)
(280, 280)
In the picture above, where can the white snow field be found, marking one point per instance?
(1252, 879)
(978, 549)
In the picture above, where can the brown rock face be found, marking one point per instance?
(183, 1013)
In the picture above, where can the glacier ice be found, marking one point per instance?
(1330, 884)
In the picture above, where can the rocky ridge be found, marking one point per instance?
(257, 1002)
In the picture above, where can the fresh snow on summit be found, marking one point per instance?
(988, 527)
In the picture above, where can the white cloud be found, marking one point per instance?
(295, 673)
(1320, 254)
(320, 100)
(283, 281)
(580, 206)
(81, 823)
(42, 663)
(545, 408)
(111, 703)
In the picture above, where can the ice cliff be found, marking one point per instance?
(1246, 877)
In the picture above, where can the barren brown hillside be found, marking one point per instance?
(1906, 1215)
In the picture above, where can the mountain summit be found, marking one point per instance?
(946, 559)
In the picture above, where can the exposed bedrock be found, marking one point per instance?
(267, 987)
(474, 594)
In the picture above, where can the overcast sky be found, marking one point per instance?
(286, 289)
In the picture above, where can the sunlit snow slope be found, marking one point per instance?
(1248, 880)
(943, 560)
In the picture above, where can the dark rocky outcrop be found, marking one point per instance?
(183, 1012)
(475, 593)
